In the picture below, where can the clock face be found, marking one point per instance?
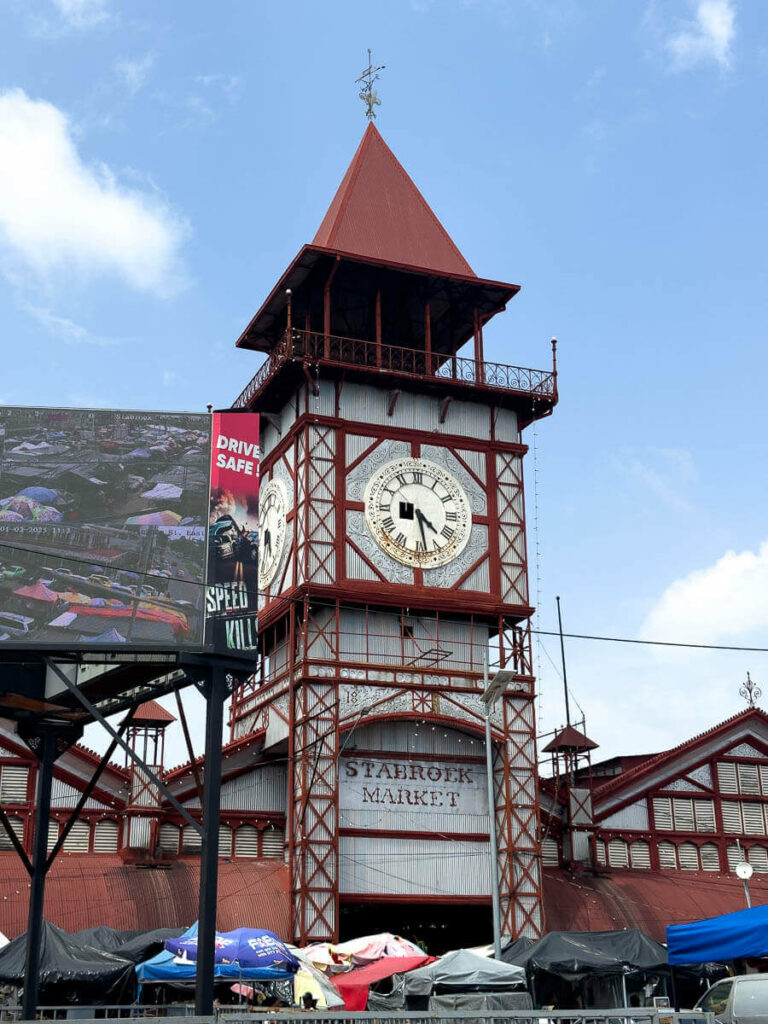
(417, 512)
(273, 505)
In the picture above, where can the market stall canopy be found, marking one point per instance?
(67, 965)
(247, 947)
(164, 518)
(354, 985)
(463, 971)
(357, 952)
(741, 934)
(577, 954)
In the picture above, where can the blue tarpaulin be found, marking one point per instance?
(248, 947)
(167, 968)
(741, 934)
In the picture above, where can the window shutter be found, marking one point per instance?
(754, 823)
(749, 783)
(191, 840)
(726, 777)
(710, 857)
(53, 834)
(13, 784)
(731, 816)
(272, 842)
(640, 854)
(17, 824)
(758, 858)
(600, 852)
(247, 841)
(106, 835)
(662, 813)
(169, 837)
(79, 838)
(683, 815)
(225, 841)
(667, 856)
(689, 856)
(704, 811)
(549, 852)
(764, 779)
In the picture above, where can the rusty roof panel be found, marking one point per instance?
(84, 890)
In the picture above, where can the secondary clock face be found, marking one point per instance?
(417, 512)
(273, 505)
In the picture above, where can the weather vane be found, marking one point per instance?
(368, 94)
(750, 692)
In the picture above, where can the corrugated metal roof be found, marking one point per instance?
(648, 900)
(378, 212)
(151, 711)
(83, 890)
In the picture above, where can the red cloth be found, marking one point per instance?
(353, 985)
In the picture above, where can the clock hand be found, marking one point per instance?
(420, 518)
(423, 519)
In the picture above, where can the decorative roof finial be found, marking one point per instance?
(368, 94)
(751, 692)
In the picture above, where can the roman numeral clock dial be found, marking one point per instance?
(273, 505)
(417, 513)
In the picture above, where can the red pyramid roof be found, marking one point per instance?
(379, 213)
(151, 711)
(570, 739)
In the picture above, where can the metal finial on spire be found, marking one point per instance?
(751, 692)
(368, 94)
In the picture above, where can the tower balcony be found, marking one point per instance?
(305, 354)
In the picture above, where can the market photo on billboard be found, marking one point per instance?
(103, 527)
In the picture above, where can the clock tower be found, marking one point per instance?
(393, 568)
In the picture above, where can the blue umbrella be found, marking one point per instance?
(247, 947)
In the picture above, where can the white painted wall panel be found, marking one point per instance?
(633, 817)
(413, 866)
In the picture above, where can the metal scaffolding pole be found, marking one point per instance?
(216, 689)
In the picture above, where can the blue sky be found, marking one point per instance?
(160, 164)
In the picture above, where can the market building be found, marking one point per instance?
(392, 561)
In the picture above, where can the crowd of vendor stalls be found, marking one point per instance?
(254, 969)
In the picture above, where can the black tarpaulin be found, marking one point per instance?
(135, 946)
(70, 971)
(575, 955)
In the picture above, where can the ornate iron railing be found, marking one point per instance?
(308, 347)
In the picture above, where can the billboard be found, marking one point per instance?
(103, 528)
(233, 532)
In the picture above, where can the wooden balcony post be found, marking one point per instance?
(327, 310)
(378, 328)
(428, 337)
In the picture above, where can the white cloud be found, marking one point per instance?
(133, 73)
(230, 85)
(59, 215)
(716, 604)
(707, 38)
(63, 327)
(665, 472)
(83, 13)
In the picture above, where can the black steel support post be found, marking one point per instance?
(47, 753)
(216, 691)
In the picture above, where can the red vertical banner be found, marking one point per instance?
(233, 532)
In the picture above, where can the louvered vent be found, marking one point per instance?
(710, 857)
(735, 855)
(106, 835)
(549, 857)
(13, 784)
(225, 841)
(169, 838)
(53, 834)
(683, 815)
(704, 811)
(749, 783)
(79, 838)
(688, 856)
(731, 816)
(17, 824)
(726, 778)
(764, 779)
(758, 858)
(191, 840)
(754, 823)
(600, 852)
(662, 813)
(247, 841)
(272, 843)
(640, 854)
(667, 856)
(617, 854)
